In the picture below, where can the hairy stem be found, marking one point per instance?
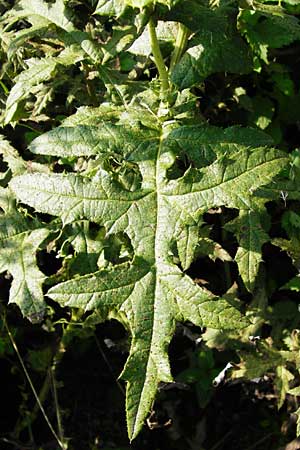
(180, 44)
(158, 59)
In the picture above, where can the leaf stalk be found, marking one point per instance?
(158, 58)
(180, 45)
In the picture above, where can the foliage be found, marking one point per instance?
(122, 169)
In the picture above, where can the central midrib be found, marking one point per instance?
(156, 259)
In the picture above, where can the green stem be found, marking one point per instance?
(180, 44)
(158, 59)
(6, 91)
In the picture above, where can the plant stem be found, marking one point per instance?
(29, 420)
(13, 342)
(52, 372)
(180, 44)
(158, 59)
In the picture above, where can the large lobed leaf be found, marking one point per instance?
(152, 290)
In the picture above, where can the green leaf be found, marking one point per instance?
(297, 414)
(40, 70)
(19, 240)
(268, 27)
(11, 157)
(215, 46)
(42, 16)
(7, 200)
(295, 391)
(282, 190)
(117, 7)
(75, 197)
(251, 238)
(166, 32)
(22, 36)
(88, 140)
(29, 81)
(291, 246)
(211, 51)
(293, 284)
(200, 15)
(108, 7)
(151, 290)
(254, 365)
(188, 141)
(15, 162)
(262, 111)
(45, 13)
(283, 378)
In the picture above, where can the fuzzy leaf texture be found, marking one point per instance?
(151, 289)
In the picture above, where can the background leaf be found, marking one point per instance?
(20, 240)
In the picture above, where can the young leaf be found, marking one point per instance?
(151, 290)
